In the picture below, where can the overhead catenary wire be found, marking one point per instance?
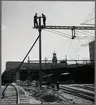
(77, 51)
(88, 34)
(77, 37)
(61, 33)
(57, 33)
(66, 41)
(87, 42)
(89, 15)
(90, 20)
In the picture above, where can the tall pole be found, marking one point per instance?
(40, 69)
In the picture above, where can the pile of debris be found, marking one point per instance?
(46, 94)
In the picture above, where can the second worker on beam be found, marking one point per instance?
(44, 19)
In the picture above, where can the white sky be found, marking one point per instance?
(18, 34)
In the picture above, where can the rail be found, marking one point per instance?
(17, 96)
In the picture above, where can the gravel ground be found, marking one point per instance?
(78, 88)
(33, 99)
(74, 99)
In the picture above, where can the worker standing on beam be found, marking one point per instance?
(44, 19)
(35, 20)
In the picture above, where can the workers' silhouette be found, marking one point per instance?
(44, 19)
(35, 20)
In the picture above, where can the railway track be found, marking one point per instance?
(79, 93)
(86, 87)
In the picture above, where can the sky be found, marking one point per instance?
(18, 34)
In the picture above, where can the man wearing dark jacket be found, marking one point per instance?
(35, 20)
(44, 19)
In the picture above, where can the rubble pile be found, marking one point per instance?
(46, 94)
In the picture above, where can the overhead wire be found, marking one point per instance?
(62, 33)
(90, 20)
(88, 34)
(66, 41)
(74, 52)
(87, 42)
(77, 51)
(89, 15)
(77, 37)
(58, 34)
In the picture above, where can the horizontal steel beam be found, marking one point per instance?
(67, 27)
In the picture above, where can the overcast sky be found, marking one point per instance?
(18, 34)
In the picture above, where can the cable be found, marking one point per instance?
(61, 32)
(66, 41)
(87, 42)
(89, 15)
(89, 32)
(77, 52)
(58, 34)
(78, 38)
(90, 20)
(85, 33)
(78, 49)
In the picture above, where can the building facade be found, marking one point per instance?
(92, 50)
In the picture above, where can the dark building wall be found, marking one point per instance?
(13, 65)
(84, 74)
(92, 50)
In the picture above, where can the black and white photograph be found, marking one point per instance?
(48, 52)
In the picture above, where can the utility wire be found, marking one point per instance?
(85, 33)
(61, 33)
(57, 34)
(89, 32)
(77, 51)
(89, 15)
(89, 20)
(78, 38)
(66, 41)
(87, 42)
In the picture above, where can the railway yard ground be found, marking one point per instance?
(67, 94)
